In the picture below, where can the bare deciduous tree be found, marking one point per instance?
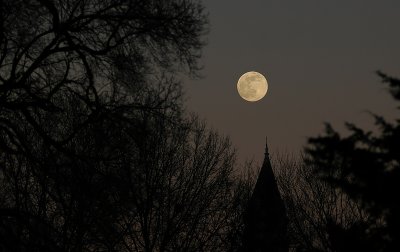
(97, 153)
(105, 53)
(314, 207)
(143, 180)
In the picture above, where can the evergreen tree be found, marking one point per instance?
(366, 166)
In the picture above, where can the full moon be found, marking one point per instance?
(252, 86)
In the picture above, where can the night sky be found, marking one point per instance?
(319, 58)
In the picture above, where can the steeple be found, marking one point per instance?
(265, 218)
(266, 154)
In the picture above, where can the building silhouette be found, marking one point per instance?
(265, 217)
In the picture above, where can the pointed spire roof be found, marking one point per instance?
(266, 221)
(266, 148)
(266, 179)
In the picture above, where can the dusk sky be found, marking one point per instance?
(128, 125)
(319, 58)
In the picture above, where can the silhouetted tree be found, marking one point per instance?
(105, 53)
(314, 206)
(370, 174)
(184, 191)
(152, 182)
(97, 153)
(52, 200)
(157, 183)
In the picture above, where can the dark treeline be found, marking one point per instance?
(98, 154)
(342, 194)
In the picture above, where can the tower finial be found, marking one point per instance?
(266, 146)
